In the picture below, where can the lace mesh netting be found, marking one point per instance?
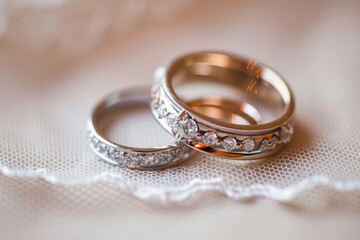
(45, 103)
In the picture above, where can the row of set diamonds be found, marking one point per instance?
(187, 128)
(137, 160)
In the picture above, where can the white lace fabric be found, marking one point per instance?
(45, 101)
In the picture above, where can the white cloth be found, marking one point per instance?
(45, 100)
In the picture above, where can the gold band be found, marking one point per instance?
(213, 135)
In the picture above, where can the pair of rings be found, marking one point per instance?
(254, 123)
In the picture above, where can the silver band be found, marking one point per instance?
(131, 157)
(212, 136)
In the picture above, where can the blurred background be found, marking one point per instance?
(58, 57)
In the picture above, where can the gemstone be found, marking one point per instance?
(290, 126)
(285, 136)
(117, 155)
(148, 159)
(133, 161)
(110, 150)
(179, 153)
(102, 148)
(274, 141)
(210, 138)
(291, 130)
(171, 121)
(229, 143)
(188, 128)
(131, 164)
(160, 111)
(161, 158)
(248, 144)
(94, 141)
(172, 156)
(264, 144)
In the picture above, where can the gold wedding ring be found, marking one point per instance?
(202, 123)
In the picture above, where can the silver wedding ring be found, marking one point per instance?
(131, 157)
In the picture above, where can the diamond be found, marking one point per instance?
(133, 161)
(146, 159)
(117, 155)
(110, 150)
(161, 158)
(210, 138)
(291, 130)
(248, 144)
(179, 153)
(274, 141)
(188, 128)
(285, 136)
(94, 141)
(171, 121)
(290, 126)
(264, 144)
(173, 155)
(102, 148)
(229, 143)
(160, 111)
(130, 163)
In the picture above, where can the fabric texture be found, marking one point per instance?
(45, 104)
(53, 187)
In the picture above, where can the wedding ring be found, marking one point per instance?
(208, 134)
(131, 157)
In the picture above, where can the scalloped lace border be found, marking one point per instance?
(194, 187)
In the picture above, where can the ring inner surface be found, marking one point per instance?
(228, 95)
(226, 110)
